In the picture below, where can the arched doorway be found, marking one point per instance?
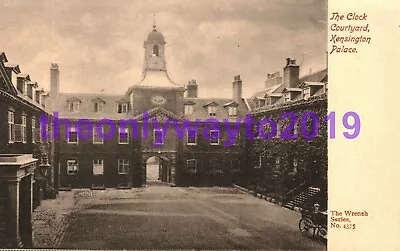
(158, 170)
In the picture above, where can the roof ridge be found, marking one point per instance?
(92, 94)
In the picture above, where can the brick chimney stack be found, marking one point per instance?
(54, 84)
(273, 79)
(291, 73)
(237, 89)
(192, 89)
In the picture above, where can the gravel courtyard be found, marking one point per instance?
(162, 217)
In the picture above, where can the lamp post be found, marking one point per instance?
(44, 166)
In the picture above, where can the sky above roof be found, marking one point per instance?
(98, 44)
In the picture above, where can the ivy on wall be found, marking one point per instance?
(287, 163)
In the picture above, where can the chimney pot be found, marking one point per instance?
(291, 74)
(192, 89)
(237, 89)
(288, 61)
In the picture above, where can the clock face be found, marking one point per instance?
(158, 100)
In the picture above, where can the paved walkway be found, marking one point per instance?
(50, 220)
(159, 217)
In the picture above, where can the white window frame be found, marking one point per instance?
(99, 107)
(287, 97)
(95, 134)
(11, 127)
(72, 129)
(75, 168)
(237, 139)
(268, 101)
(295, 166)
(33, 127)
(195, 165)
(232, 111)
(126, 131)
(189, 109)
(124, 108)
(212, 110)
(25, 88)
(122, 164)
(154, 137)
(73, 106)
(23, 129)
(211, 143)
(100, 164)
(195, 138)
(306, 93)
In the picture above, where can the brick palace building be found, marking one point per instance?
(79, 157)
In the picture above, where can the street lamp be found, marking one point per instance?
(44, 165)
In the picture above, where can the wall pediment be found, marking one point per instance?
(158, 113)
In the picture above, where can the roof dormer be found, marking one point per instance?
(291, 94)
(121, 106)
(73, 104)
(310, 89)
(211, 108)
(12, 71)
(232, 108)
(31, 86)
(98, 104)
(22, 83)
(272, 98)
(45, 98)
(189, 108)
(259, 102)
(38, 95)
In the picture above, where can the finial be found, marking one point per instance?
(154, 21)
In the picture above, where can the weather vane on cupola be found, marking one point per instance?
(154, 21)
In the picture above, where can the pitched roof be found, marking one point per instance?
(86, 108)
(157, 111)
(292, 90)
(319, 76)
(200, 109)
(312, 84)
(261, 93)
(233, 103)
(24, 75)
(156, 79)
(14, 67)
(98, 99)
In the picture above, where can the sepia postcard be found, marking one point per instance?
(199, 125)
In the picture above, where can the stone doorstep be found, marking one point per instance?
(269, 199)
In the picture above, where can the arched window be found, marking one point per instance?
(155, 50)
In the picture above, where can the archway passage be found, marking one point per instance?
(157, 170)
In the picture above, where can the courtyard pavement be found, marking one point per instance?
(163, 217)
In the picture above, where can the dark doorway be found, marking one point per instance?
(157, 170)
(25, 211)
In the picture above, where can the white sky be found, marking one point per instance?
(98, 44)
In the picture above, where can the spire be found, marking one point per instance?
(154, 21)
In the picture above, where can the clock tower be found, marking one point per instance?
(154, 57)
(156, 89)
